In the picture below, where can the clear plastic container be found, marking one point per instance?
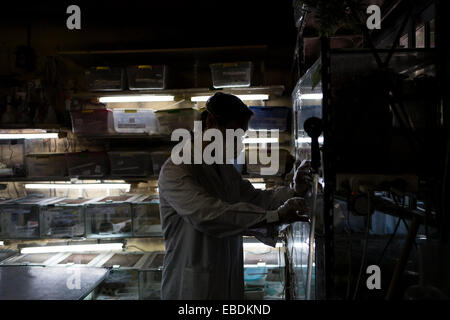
(269, 118)
(135, 121)
(63, 219)
(226, 75)
(109, 217)
(277, 167)
(46, 165)
(105, 78)
(20, 217)
(170, 120)
(40, 259)
(144, 77)
(158, 159)
(120, 284)
(78, 259)
(146, 218)
(87, 164)
(130, 164)
(92, 122)
(150, 277)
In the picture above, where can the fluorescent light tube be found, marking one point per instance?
(245, 97)
(261, 186)
(5, 136)
(74, 248)
(135, 98)
(261, 245)
(308, 140)
(260, 140)
(78, 186)
(311, 96)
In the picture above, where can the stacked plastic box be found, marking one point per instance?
(226, 75)
(46, 165)
(20, 217)
(105, 78)
(269, 118)
(170, 120)
(87, 164)
(130, 163)
(92, 122)
(132, 121)
(146, 218)
(145, 77)
(64, 218)
(109, 217)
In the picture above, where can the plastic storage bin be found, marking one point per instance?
(87, 164)
(105, 79)
(146, 218)
(92, 122)
(130, 164)
(158, 159)
(277, 167)
(150, 277)
(269, 118)
(119, 285)
(20, 217)
(135, 121)
(226, 75)
(109, 217)
(170, 120)
(46, 165)
(63, 219)
(146, 77)
(122, 282)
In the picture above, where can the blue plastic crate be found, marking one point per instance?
(269, 118)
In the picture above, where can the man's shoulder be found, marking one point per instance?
(170, 169)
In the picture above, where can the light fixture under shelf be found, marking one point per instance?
(74, 248)
(311, 96)
(8, 136)
(243, 97)
(260, 140)
(78, 186)
(136, 98)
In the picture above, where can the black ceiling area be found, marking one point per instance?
(164, 24)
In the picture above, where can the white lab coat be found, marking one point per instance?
(204, 214)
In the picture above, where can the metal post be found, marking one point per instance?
(329, 175)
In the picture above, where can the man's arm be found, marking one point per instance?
(204, 212)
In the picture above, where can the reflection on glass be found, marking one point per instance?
(420, 37)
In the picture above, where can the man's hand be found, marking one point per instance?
(295, 209)
(303, 178)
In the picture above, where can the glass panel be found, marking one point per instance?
(420, 37)
(404, 41)
(432, 33)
